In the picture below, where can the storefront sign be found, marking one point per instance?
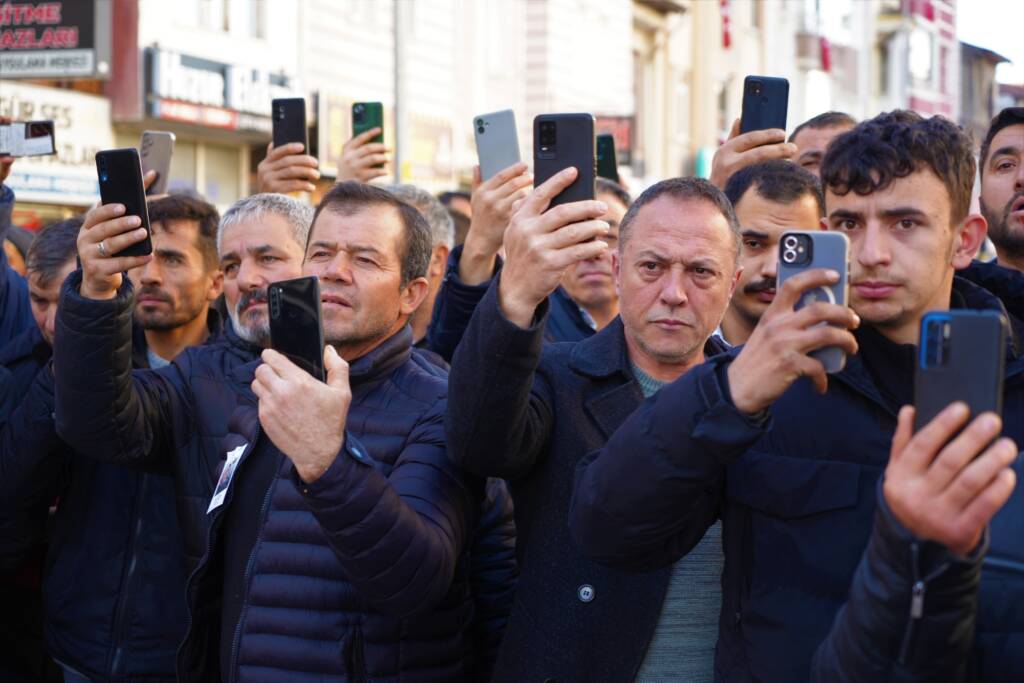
(621, 128)
(81, 128)
(53, 39)
(203, 92)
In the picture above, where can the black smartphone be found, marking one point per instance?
(765, 103)
(607, 161)
(961, 357)
(289, 121)
(120, 175)
(561, 141)
(296, 325)
(801, 251)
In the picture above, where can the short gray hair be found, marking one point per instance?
(683, 189)
(253, 208)
(442, 227)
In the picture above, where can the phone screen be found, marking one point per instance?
(27, 139)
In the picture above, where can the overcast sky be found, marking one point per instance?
(999, 26)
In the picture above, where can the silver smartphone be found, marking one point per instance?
(800, 251)
(155, 151)
(497, 142)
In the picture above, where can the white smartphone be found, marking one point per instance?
(497, 142)
(155, 151)
(27, 139)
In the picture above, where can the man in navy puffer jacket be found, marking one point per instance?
(336, 543)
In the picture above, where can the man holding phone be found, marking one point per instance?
(373, 502)
(770, 198)
(829, 573)
(528, 412)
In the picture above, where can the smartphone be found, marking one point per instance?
(497, 142)
(120, 175)
(27, 139)
(561, 141)
(296, 324)
(765, 103)
(800, 251)
(155, 151)
(961, 357)
(289, 121)
(607, 161)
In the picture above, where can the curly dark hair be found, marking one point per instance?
(896, 144)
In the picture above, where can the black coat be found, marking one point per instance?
(805, 541)
(529, 415)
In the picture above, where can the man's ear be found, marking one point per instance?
(412, 295)
(216, 285)
(970, 236)
(617, 271)
(438, 262)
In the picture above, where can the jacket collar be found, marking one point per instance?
(29, 343)
(603, 357)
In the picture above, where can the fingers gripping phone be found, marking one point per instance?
(765, 103)
(961, 357)
(289, 121)
(561, 141)
(296, 324)
(607, 161)
(155, 151)
(800, 251)
(497, 142)
(120, 176)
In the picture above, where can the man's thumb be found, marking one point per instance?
(337, 369)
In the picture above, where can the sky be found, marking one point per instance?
(999, 26)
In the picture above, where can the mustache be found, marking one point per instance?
(758, 286)
(150, 292)
(250, 297)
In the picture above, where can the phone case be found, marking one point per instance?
(573, 145)
(120, 175)
(497, 142)
(367, 115)
(765, 103)
(155, 152)
(961, 357)
(607, 161)
(289, 117)
(296, 326)
(828, 250)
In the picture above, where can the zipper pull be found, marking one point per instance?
(917, 600)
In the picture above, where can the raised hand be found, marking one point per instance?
(286, 169)
(105, 232)
(947, 489)
(540, 245)
(492, 202)
(363, 160)
(776, 355)
(748, 149)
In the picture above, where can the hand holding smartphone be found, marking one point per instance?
(366, 116)
(296, 323)
(561, 141)
(801, 251)
(120, 176)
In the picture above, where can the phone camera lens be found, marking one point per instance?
(789, 256)
(480, 130)
(790, 242)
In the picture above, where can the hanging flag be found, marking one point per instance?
(826, 54)
(726, 34)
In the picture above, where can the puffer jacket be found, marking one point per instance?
(15, 313)
(374, 554)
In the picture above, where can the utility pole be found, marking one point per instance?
(399, 87)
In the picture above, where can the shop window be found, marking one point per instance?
(222, 175)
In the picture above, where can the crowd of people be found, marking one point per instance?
(588, 442)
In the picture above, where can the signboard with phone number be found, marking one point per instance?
(51, 39)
